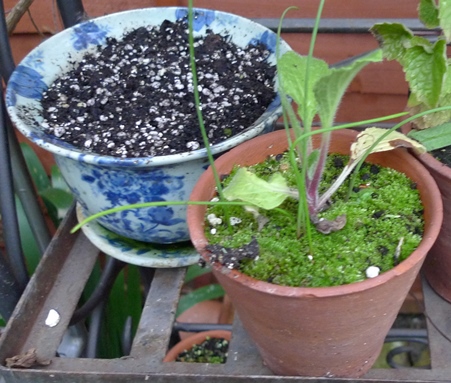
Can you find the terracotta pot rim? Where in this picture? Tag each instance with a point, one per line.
(435, 164)
(430, 234)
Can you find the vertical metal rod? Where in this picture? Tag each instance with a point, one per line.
(9, 290)
(6, 57)
(72, 12)
(22, 182)
(8, 206)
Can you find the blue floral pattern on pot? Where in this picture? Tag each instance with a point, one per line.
(89, 33)
(101, 182)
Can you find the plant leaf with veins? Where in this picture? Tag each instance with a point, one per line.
(248, 187)
(424, 63)
(428, 13)
(445, 18)
(292, 68)
(329, 89)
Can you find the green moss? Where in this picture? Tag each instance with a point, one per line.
(212, 350)
(383, 209)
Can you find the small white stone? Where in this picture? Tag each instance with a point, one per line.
(372, 271)
(310, 257)
(235, 221)
(53, 318)
(213, 231)
(213, 220)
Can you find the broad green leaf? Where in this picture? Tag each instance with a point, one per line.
(432, 119)
(369, 136)
(58, 182)
(37, 171)
(393, 39)
(248, 187)
(57, 202)
(423, 62)
(205, 293)
(292, 74)
(30, 247)
(428, 13)
(437, 118)
(445, 18)
(425, 71)
(329, 90)
(433, 138)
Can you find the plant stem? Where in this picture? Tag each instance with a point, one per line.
(198, 103)
(153, 204)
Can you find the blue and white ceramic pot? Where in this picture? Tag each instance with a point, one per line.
(102, 182)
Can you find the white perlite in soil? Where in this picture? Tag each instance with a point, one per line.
(134, 97)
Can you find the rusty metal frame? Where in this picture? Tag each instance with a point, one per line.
(59, 282)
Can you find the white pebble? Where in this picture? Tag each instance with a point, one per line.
(213, 220)
(372, 271)
(53, 318)
(310, 257)
(235, 221)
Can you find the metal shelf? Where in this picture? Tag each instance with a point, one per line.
(59, 282)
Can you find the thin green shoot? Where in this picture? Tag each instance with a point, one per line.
(198, 103)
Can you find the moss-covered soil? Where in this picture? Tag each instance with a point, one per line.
(384, 224)
(212, 350)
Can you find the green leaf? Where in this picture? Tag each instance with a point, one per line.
(205, 293)
(195, 271)
(292, 73)
(433, 138)
(393, 39)
(330, 89)
(58, 182)
(248, 187)
(34, 165)
(425, 71)
(29, 245)
(445, 18)
(428, 13)
(423, 62)
(57, 202)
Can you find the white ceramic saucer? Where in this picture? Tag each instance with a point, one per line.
(136, 252)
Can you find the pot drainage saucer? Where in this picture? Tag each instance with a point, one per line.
(137, 252)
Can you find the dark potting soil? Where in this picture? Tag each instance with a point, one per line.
(443, 155)
(134, 97)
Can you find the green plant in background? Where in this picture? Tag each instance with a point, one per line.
(208, 292)
(427, 69)
(54, 193)
(124, 304)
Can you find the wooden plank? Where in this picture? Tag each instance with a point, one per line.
(57, 284)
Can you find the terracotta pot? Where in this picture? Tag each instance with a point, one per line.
(188, 343)
(437, 266)
(329, 331)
